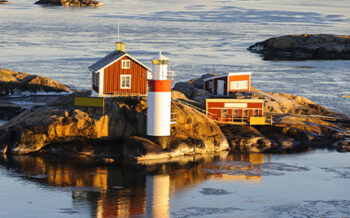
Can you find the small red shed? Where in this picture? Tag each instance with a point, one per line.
(230, 82)
(119, 74)
(234, 110)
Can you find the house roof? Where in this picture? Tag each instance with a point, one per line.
(111, 58)
(228, 74)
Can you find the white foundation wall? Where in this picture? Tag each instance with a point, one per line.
(94, 93)
(158, 113)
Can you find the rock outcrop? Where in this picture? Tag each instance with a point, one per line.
(61, 128)
(298, 123)
(74, 3)
(13, 82)
(193, 89)
(304, 46)
(123, 126)
(33, 129)
(192, 133)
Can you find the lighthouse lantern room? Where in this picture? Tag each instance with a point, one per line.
(159, 98)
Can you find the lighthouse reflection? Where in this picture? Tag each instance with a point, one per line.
(115, 191)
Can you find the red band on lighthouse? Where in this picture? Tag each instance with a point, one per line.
(159, 85)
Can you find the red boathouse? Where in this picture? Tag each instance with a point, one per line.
(231, 82)
(119, 74)
(236, 111)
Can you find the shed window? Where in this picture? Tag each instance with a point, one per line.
(95, 78)
(256, 112)
(239, 85)
(210, 84)
(224, 113)
(125, 64)
(125, 81)
(235, 113)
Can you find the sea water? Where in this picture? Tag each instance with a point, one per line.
(198, 37)
(311, 184)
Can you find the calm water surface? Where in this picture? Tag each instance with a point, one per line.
(313, 184)
(199, 37)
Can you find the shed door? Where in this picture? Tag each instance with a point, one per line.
(220, 87)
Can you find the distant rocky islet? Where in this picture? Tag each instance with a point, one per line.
(304, 47)
(71, 3)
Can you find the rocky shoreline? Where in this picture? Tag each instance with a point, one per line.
(304, 47)
(12, 82)
(119, 134)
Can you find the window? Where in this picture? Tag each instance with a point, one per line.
(210, 84)
(224, 113)
(93, 78)
(125, 64)
(96, 78)
(256, 112)
(235, 113)
(125, 81)
(239, 85)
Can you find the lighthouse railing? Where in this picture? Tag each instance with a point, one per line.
(171, 75)
(173, 117)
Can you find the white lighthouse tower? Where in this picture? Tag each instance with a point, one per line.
(159, 98)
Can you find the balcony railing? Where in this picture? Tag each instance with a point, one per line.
(173, 118)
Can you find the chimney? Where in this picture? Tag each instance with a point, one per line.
(120, 46)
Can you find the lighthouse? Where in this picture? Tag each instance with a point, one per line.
(159, 98)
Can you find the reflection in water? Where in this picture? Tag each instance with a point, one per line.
(244, 163)
(157, 191)
(110, 190)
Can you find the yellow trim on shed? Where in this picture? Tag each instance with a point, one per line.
(257, 121)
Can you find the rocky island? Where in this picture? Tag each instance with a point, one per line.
(17, 84)
(12, 82)
(304, 47)
(119, 132)
(73, 3)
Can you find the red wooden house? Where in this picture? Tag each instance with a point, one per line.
(119, 74)
(238, 111)
(231, 82)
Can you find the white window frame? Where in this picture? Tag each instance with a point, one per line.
(243, 84)
(122, 79)
(125, 64)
